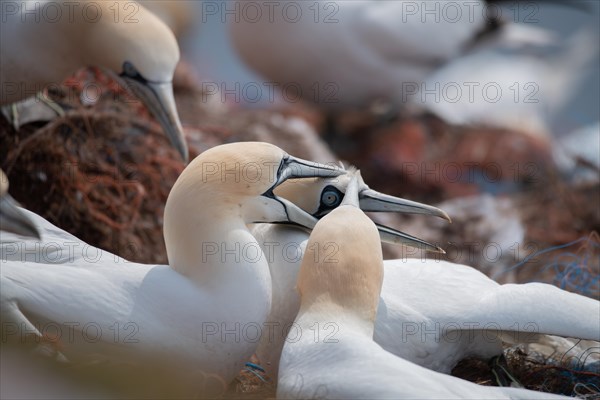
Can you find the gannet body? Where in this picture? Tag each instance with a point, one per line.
(11, 218)
(436, 313)
(433, 313)
(339, 300)
(284, 247)
(45, 41)
(515, 84)
(193, 314)
(351, 53)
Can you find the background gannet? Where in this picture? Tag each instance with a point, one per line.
(190, 317)
(433, 313)
(11, 218)
(526, 87)
(339, 300)
(352, 53)
(45, 41)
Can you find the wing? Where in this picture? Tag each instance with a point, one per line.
(539, 308)
(406, 30)
(457, 294)
(56, 246)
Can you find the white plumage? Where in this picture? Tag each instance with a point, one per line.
(177, 315)
(335, 355)
(352, 53)
(433, 313)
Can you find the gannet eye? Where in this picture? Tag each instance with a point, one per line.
(129, 69)
(331, 198)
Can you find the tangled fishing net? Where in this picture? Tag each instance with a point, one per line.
(101, 171)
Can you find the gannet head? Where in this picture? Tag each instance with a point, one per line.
(233, 183)
(141, 52)
(11, 218)
(343, 262)
(320, 196)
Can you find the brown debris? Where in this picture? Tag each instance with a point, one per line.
(531, 371)
(251, 384)
(430, 160)
(79, 171)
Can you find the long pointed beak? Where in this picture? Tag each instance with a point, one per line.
(351, 196)
(296, 215)
(159, 99)
(281, 210)
(293, 167)
(371, 200)
(273, 209)
(14, 220)
(393, 236)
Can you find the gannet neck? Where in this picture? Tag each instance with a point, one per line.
(326, 311)
(203, 218)
(342, 266)
(200, 245)
(221, 191)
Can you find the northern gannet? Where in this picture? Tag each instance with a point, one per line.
(44, 41)
(330, 353)
(348, 54)
(433, 313)
(11, 218)
(196, 315)
(285, 245)
(509, 83)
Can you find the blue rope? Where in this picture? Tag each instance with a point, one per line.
(568, 269)
(255, 366)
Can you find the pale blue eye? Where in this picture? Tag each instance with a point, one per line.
(330, 198)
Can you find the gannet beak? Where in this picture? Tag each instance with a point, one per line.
(159, 99)
(292, 167)
(351, 197)
(14, 220)
(371, 200)
(272, 209)
(276, 209)
(286, 212)
(393, 236)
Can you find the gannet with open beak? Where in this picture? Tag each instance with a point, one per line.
(11, 218)
(44, 41)
(330, 352)
(284, 246)
(433, 313)
(200, 313)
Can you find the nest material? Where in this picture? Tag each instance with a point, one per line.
(531, 371)
(102, 172)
